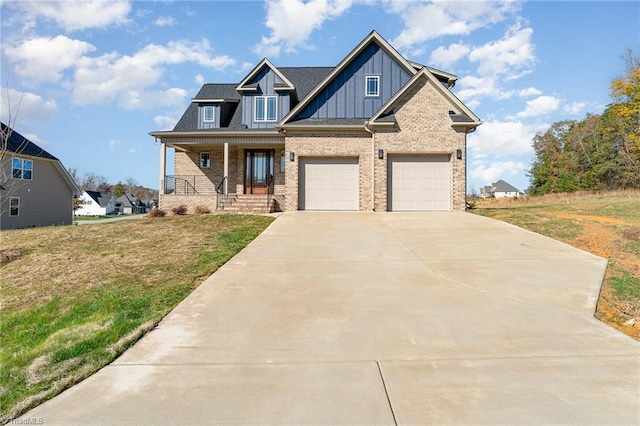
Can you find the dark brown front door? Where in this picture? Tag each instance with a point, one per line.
(258, 172)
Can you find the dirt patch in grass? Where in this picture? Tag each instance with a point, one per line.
(9, 254)
(605, 224)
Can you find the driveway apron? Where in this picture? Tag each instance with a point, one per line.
(377, 318)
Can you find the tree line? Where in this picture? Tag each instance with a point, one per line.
(601, 152)
(93, 182)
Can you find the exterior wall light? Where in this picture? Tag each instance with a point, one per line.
(380, 154)
(292, 156)
(459, 154)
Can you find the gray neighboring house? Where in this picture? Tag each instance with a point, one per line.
(375, 132)
(35, 188)
(130, 204)
(500, 189)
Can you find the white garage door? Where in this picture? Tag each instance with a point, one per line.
(328, 184)
(420, 183)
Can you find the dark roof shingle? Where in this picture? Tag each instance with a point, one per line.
(18, 144)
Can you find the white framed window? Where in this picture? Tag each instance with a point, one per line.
(205, 160)
(208, 114)
(14, 206)
(21, 168)
(372, 85)
(266, 108)
(282, 162)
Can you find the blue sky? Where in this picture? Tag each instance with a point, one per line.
(88, 80)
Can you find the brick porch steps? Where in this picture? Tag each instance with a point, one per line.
(246, 203)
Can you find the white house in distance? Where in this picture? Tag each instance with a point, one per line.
(94, 203)
(500, 189)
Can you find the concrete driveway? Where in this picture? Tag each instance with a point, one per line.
(377, 318)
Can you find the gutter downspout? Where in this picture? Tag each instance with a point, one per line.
(373, 165)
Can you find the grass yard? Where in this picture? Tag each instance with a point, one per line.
(75, 297)
(605, 224)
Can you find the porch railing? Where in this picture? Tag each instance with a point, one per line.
(220, 191)
(189, 185)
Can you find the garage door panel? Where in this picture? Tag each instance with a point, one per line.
(420, 183)
(328, 184)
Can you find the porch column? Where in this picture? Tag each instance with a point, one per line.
(163, 166)
(226, 168)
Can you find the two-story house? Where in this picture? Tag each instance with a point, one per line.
(35, 188)
(95, 203)
(376, 132)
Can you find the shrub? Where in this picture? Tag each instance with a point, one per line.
(202, 210)
(181, 210)
(156, 212)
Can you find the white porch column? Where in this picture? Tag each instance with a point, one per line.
(226, 168)
(163, 166)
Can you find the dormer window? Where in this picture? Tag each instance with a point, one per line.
(372, 85)
(208, 114)
(266, 108)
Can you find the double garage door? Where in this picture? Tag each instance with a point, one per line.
(415, 183)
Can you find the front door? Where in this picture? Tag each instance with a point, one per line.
(258, 170)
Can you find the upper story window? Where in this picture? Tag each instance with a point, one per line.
(266, 108)
(205, 160)
(208, 114)
(372, 85)
(21, 168)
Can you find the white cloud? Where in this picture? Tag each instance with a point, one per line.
(471, 88)
(147, 99)
(25, 106)
(496, 170)
(109, 77)
(529, 91)
(164, 21)
(36, 139)
(503, 138)
(540, 106)
(509, 55)
(427, 20)
(575, 108)
(199, 79)
(43, 58)
(113, 143)
(447, 56)
(165, 122)
(292, 21)
(78, 15)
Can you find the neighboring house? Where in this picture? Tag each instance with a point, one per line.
(35, 188)
(500, 189)
(129, 204)
(376, 132)
(93, 203)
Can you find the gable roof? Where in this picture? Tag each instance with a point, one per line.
(101, 199)
(221, 92)
(18, 144)
(373, 37)
(502, 186)
(286, 84)
(464, 118)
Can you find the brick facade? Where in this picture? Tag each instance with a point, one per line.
(423, 128)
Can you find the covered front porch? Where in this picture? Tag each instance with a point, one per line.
(224, 174)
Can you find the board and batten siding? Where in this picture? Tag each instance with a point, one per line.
(216, 116)
(45, 200)
(266, 80)
(344, 97)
